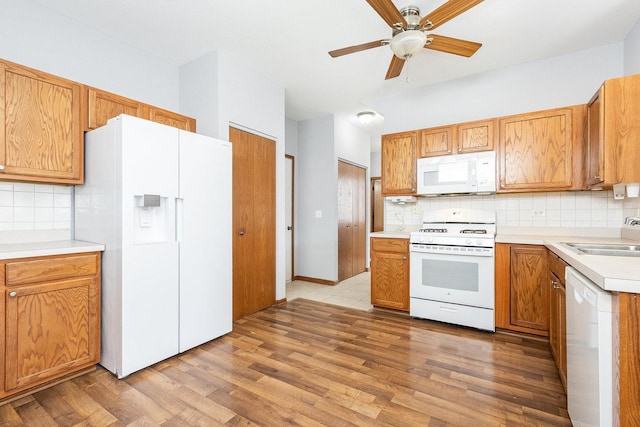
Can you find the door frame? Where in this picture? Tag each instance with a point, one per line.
(293, 199)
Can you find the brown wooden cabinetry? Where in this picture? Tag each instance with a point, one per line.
(390, 273)
(51, 320)
(41, 137)
(102, 106)
(457, 139)
(522, 291)
(399, 164)
(613, 133)
(557, 314)
(542, 151)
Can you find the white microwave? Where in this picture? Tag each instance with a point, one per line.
(457, 174)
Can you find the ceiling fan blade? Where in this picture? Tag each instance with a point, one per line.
(451, 45)
(357, 48)
(395, 68)
(447, 11)
(388, 11)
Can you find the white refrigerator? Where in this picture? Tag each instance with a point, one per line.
(159, 199)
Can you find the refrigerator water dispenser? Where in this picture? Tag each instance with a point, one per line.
(150, 225)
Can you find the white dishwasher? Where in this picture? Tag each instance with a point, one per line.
(589, 352)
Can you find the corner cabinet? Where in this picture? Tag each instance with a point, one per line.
(41, 136)
(542, 151)
(457, 139)
(399, 164)
(50, 320)
(390, 273)
(522, 291)
(613, 133)
(558, 315)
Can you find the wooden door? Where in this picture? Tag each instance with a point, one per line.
(41, 134)
(399, 164)
(288, 215)
(351, 220)
(529, 287)
(52, 328)
(254, 222)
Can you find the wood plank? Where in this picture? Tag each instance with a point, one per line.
(313, 364)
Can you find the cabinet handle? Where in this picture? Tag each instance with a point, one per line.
(13, 294)
(596, 177)
(501, 183)
(449, 151)
(404, 257)
(460, 150)
(1, 167)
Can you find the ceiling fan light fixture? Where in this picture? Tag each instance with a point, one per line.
(407, 43)
(366, 117)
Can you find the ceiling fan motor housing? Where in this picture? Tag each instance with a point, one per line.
(406, 42)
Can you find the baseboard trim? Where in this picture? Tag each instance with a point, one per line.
(315, 280)
(281, 301)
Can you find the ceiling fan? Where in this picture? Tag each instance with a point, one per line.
(409, 32)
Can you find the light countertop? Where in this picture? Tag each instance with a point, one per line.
(54, 247)
(611, 273)
(391, 234)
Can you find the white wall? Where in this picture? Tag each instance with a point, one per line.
(245, 100)
(35, 36)
(549, 83)
(316, 254)
(632, 51)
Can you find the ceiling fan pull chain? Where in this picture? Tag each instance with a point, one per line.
(406, 80)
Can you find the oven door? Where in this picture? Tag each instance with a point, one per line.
(457, 279)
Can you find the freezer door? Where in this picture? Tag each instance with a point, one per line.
(149, 250)
(204, 232)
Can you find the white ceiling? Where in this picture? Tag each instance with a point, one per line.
(288, 40)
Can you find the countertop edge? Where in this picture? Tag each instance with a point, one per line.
(48, 248)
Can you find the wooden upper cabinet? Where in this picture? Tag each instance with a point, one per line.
(103, 106)
(457, 139)
(41, 132)
(614, 132)
(172, 119)
(436, 141)
(542, 151)
(399, 163)
(476, 136)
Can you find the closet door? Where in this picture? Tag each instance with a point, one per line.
(352, 231)
(254, 225)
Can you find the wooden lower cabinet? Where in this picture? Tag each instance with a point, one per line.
(390, 273)
(557, 314)
(522, 291)
(51, 320)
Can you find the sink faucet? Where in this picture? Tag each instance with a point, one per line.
(632, 221)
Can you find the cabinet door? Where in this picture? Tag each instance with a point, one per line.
(475, 136)
(436, 141)
(390, 273)
(536, 151)
(399, 164)
(529, 287)
(595, 140)
(103, 106)
(170, 118)
(51, 329)
(41, 133)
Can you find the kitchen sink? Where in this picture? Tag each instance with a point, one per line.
(605, 249)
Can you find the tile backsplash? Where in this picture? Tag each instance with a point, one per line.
(35, 207)
(580, 209)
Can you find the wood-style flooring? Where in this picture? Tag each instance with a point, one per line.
(312, 364)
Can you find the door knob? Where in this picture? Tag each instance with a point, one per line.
(241, 232)
(289, 228)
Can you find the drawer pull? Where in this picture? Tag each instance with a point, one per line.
(13, 294)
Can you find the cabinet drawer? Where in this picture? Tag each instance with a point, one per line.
(50, 268)
(557, 266)
(389, 245)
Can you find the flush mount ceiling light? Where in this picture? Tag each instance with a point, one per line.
(366, 117)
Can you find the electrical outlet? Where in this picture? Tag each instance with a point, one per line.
(414, 209)
(539, 213)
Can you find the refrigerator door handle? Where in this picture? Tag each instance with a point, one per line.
(179, 218)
